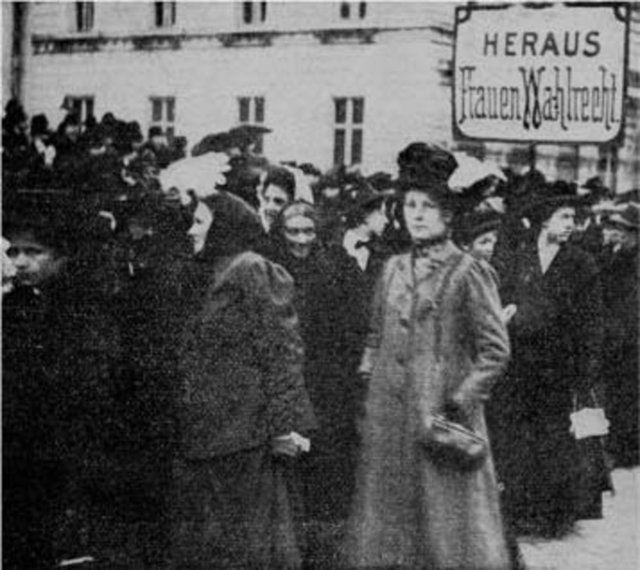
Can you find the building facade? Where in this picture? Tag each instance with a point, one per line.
(337, 82)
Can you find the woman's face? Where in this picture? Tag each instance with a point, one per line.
(300, 235)
(272, 200)
(423, 217)
(484, 245)
(561, 224)
(202, 221)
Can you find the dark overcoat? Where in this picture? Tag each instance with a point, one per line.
(556, 337)
(241, 361)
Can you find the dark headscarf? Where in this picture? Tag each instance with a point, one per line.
(235, 228)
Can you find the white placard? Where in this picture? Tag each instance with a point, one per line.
(548, 74)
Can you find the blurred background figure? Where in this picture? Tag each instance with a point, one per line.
(8, 268)
(620, 367)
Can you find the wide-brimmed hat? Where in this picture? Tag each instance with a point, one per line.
(425, 161)
(471, 225)
(628, 218)
(549, 197)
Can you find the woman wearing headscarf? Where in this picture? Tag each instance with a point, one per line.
(329, 299)
(436, 346)
(556, 337)
(244, 408)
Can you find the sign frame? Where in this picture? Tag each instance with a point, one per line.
(464, 13)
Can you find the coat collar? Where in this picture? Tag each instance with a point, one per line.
(438, 256)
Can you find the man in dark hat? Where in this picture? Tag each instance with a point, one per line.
(157, 148)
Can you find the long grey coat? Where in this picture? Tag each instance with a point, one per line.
(433, 337)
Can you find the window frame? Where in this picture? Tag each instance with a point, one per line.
(252, 111)
(353, 10)
(348, 130)
(85, 16)
(82, 105)
(165, 14)
(253, 12)
(166, 105)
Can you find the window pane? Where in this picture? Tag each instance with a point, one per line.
(259, 101)
(89, 107)
(345, 10)
(247, 12)
(89, 22)
(363, 9)
(338, 147)
(171, 107)
(356, 146)
(243, 107)
(341, 110)
(158, 11)
(259, 145)
(358, 111)
(263, 11)
(76, 107)
(156, 110)
(173, 12)
(79, 16)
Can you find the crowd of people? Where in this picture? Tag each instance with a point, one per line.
(213, 360)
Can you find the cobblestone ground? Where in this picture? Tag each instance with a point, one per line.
(612, 543)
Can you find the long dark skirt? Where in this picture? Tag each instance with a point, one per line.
(236, 511)
(537, 458)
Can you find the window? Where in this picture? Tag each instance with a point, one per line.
(348, 132)
(254, 12)
(165, 14)
(163, 114)
(251, 111)
(355, 9)
(84, 16)
(79, 105)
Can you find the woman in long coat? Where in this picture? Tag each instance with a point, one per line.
(244, 406)
(437, 342)
(556, 337)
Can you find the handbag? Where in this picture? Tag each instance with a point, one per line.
(588, 421)
(590, 426)
(453, 444)
(448, 440)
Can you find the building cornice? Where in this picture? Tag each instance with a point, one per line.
(177, 39)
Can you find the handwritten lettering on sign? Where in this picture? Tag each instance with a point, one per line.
(554, 74)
